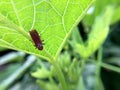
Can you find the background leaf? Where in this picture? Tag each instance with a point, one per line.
(97, 35)
(98, 8)
(53, 19)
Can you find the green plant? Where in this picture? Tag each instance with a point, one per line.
(55, 20)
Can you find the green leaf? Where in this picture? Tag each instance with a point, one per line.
(48, 85)
(98, 8)
(97, 35)
(41, 73)
(81, 84)
(116, 15)
(53, 19)
(99, 85)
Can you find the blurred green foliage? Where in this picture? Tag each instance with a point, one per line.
(77, 54)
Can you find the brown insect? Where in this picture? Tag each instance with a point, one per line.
(36, 39)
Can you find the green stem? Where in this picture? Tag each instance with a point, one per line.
(99, 62)
(83, 61)
(59, 73)
(98, 67)
(60, 76)
(107, 66)
(114, 68)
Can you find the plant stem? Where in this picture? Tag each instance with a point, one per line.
(83, 61)
(98, 67)
(107, 66)
(114, 68)
(99, 62)
(60, 75)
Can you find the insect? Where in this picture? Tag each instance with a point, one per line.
(36, 39)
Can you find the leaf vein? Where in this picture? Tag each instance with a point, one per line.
(34, 15)
(15, 11)
(63, 22)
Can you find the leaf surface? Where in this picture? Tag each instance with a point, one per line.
(53, 19)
